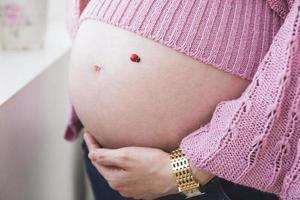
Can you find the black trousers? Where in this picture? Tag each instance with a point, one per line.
(220, 189)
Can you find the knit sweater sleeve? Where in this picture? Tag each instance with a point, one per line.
(74, 9)
(73, 13)
(254, 140)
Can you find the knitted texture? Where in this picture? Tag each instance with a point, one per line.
(253, 140)
(227, 34)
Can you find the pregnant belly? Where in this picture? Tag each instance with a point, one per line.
(153, 103)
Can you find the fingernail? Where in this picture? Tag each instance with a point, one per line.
(92, 155)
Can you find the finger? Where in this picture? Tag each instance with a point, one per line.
(109, 157)
(100, 168)
(110, 173)
(91, 142)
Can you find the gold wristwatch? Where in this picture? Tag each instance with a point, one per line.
(182, 171)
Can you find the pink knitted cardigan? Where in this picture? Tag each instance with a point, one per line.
(253, 140)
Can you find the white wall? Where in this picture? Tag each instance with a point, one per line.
(56, 10)
(36, 163)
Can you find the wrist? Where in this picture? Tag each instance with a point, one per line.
(187, 185)
(171, 186)
(189, 179)
(200, 175)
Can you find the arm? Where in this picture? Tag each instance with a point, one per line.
(255, 140)
(73, 12)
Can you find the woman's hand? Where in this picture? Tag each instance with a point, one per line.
(136, 172)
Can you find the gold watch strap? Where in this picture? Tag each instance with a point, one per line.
(183, 173)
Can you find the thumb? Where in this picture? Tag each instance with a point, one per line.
(90, 141)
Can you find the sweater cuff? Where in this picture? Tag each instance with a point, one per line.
(73, 127)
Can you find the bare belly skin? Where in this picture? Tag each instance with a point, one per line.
(154, 103)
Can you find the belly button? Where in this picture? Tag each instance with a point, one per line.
(97, 68)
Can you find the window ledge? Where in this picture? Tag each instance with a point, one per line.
(17, 69)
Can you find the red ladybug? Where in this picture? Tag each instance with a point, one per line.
(135, 58)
